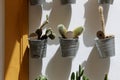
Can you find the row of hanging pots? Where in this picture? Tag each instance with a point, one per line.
(68, 47)
(68, 43)
(39, 2)
(69, 40)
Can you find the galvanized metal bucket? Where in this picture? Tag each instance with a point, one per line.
(36, 2)
(106, 47)
(38, 48)
(68, 1)
(105, 1)
(69, 47)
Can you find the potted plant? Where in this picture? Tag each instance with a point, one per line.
(36, 2)
(68, 1)
(79, 74)
(104, 43)
(105, 1)
(38, 41)
(42, 77)
(69, 40)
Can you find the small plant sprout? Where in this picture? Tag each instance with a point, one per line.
(39, 32)
(41, 78)
(69, 34)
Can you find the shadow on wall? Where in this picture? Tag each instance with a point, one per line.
(59, 68)
(60, 14)
(35, 15)
(96, 67)
(24, 65)
(35, 67)
(92, 23)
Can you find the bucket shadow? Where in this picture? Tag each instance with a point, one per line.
(96, 67)
(92, 22)
(58, 68)
(35, 68)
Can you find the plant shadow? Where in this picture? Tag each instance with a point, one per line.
(35, 67)
(96, 67)
(60, 14)
(35, 15)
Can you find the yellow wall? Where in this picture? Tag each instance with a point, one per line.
(16, 31)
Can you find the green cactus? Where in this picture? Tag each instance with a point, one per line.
(106, 77)
(77, 31)
(62, 30)
(73, 76)
(41, 78)
(81, 71)
(79, 74)
(69, 34)
(84, 78)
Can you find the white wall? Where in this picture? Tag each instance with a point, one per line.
(85, 13)
(1, 37)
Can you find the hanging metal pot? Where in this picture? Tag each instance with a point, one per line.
(106, 47)
(36, 2)
(105, 1)
(69, 47)
(38, 48)
(68, 1)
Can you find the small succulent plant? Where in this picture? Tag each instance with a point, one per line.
(42, 77)
(69, 34)
(106, 77)
(101, 34)
(79, 75)
(39, 32)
